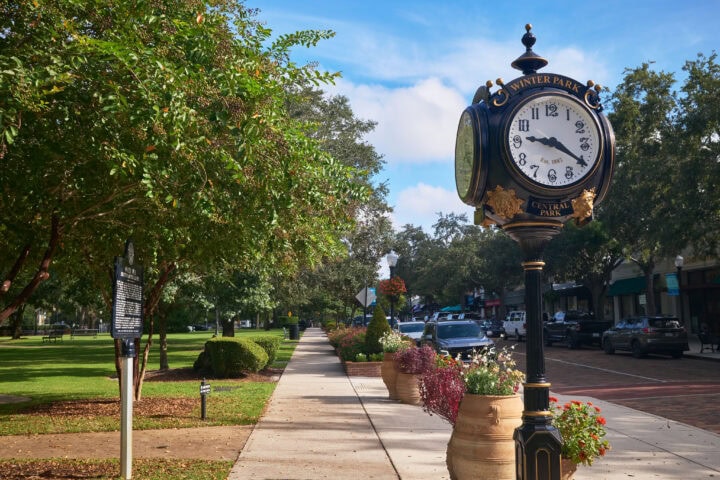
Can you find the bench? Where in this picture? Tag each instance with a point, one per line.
(53, 337)
(707, 340)
(82, 332)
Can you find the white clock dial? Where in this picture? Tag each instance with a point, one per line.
(553, 141)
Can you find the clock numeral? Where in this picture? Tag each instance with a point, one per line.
(517, 141)
(535, 169)
(523, 125)
(522, 159)
(584, 145)
(535, 113)
(552, 175)
(569, 174)
(551, 110)
(579, 126)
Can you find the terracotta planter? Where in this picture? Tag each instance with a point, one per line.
(567, 469)
(481, 446)
(389, 374)
(362, 369)
(407, 386)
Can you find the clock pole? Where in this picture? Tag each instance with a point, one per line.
(537, 442)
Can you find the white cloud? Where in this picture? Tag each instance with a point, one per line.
(419, 206)
(416, 124)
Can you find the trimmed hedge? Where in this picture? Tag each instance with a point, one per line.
(269, 343)
(230, 357)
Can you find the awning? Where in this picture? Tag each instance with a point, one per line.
(454, 308)
(627, 286)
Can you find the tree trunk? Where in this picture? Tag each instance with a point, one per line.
(16, 322)
(162, 335)
(41, 274)
(228, 328)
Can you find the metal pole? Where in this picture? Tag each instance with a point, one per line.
(680, 298)
(537, 442)
(126, 407)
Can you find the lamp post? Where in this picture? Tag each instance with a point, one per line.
(679, 261)
(392, 259)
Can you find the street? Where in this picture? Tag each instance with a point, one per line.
(686, 390)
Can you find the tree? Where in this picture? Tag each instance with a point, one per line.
(695, 169)
(643, 107)
(159, 122)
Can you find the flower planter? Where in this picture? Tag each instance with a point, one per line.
(363, 369)
(389, 374)
(407, 386)
(567, 469)
(481, 446)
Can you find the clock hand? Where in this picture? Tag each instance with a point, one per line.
(555, 143)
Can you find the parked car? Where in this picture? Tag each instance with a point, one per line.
(575, 328)
(493, 327)
(515, 325)
(456, 337)
(413, 330)
(647, 334)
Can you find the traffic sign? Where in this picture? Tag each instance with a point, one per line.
(366, 296)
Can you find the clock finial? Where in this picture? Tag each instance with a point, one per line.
(529, 62)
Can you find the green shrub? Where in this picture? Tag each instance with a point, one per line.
(377, 327)
(230, 357)
(269, 343)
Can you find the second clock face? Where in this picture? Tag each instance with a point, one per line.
(553, 141)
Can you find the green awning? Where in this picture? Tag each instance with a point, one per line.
(627, 286)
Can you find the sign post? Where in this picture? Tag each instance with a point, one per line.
(127, 325)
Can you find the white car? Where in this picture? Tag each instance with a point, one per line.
(514, 325)
(413, 330)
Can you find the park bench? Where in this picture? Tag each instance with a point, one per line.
(53, 336)
(84, 332)
(707, 340)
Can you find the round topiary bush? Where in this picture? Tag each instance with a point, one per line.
(230, 357)
(269, 343)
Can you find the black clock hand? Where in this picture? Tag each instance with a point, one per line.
(555, 143)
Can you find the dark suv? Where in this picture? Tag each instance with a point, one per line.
(456, 337)
(648, 334)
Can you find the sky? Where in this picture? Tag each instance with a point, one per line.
(413, 67)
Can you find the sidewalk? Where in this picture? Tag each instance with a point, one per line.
(322, 424)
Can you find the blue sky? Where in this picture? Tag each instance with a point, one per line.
(413, 66)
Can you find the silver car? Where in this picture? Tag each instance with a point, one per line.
(411, 329)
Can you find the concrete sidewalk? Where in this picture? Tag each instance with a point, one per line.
(322, 424)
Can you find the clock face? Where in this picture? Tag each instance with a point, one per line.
(464, 155)
(553, 141)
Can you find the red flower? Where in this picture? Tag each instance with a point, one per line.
(392, 287)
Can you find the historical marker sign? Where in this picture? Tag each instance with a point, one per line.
(127, 321)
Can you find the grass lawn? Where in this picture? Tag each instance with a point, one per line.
(83, 369)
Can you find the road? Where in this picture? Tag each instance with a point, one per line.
(686, 390)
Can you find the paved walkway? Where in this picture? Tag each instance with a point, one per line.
(322, 424)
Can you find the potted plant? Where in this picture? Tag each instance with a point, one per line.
(583, 430)
(391, 342)
(412, 362)
(482, 403)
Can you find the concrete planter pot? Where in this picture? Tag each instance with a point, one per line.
(481, 446)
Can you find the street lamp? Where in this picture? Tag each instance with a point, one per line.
(679, 261)
(392, 259)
